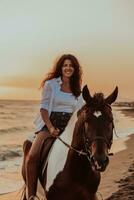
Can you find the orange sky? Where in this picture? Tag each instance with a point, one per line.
(33, 34)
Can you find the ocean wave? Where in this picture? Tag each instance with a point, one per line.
(5, 113)
(7, 117)
(2, 106)
(10, 151)
(13, 129)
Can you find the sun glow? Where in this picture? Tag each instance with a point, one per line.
(99, 34)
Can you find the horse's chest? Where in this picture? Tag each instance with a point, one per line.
(70, 193)
(80, 193)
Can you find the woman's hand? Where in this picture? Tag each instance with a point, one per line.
(54, 131)
(45, 116)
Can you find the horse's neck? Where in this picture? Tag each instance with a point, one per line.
(78, 168)
(77, 165)
(77, 140)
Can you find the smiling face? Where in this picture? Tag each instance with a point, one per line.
(67, 69)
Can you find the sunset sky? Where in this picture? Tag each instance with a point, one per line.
(33, 33)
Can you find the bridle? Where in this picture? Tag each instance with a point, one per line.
(108, 142)
(104, 139)
(87, 144)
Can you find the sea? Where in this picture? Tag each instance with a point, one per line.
(16, 125)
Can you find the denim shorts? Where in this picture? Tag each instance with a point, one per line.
(59, 120)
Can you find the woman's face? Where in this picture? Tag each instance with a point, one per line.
(67, 68)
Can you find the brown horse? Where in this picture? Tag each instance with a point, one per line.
(88, 154)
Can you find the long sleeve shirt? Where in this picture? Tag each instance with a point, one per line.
(53, 99)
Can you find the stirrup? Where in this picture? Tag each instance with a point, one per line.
(33, 198)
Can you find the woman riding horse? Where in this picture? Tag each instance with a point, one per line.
(60, 98)
(88, 152)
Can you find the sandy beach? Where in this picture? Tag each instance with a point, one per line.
(117, 181)
(116, 177)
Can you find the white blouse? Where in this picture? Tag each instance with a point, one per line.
(53, 99)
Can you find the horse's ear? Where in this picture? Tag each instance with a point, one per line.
(86, 94)
(112, 97)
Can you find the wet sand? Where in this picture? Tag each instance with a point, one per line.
(118, 180)
(116, 177)
(126, 187)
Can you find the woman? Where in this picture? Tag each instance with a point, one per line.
(60, 98)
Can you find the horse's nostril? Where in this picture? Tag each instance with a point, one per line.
(100, 162)
(104, 162)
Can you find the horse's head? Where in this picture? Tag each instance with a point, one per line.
(98, 126)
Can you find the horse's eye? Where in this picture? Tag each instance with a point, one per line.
(108, 120)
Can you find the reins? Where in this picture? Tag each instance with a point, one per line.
(87, 150)
(81, 152)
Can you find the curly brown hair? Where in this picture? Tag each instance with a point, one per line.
(76, 78)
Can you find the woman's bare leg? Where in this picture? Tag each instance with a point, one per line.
(33, 161)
